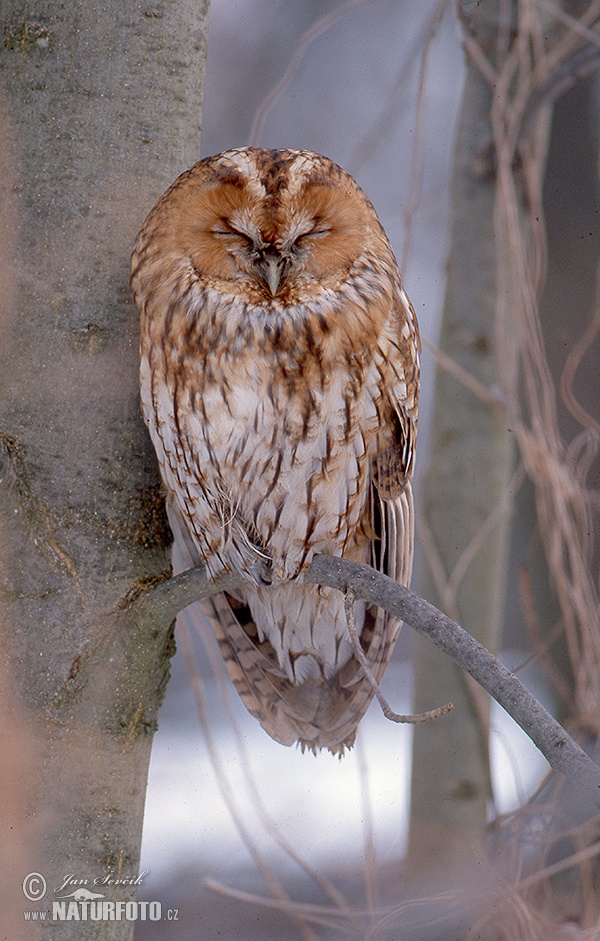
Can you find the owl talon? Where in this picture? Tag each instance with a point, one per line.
(262, 573)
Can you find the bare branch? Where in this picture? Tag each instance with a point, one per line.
(163, 601)
(561, 751)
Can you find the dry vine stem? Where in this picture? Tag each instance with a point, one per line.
(349, 599)
(534, 70)
(160, 604)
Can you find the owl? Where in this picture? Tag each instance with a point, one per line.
(279, 382)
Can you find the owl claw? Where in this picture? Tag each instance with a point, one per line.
(262, 572)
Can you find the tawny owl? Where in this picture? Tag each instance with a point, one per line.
(279, 382)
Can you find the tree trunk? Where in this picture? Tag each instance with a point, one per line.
(103, 104)
(470, 467)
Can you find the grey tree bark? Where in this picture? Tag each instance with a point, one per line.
(470, 467)
(102, 110)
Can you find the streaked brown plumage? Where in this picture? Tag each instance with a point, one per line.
(279, 379)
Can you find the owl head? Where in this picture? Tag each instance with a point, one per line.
(273, 225)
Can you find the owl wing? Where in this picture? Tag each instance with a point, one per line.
(393, 501)
(394, 461)
(392, 510)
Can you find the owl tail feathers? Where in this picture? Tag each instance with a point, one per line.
(315, 713)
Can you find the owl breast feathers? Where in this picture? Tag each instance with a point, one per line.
(279, 382)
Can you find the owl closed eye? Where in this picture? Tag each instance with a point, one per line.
(279, 381)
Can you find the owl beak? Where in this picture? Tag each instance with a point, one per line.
(271, 269)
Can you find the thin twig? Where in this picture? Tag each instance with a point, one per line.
(270, 826)
(573, 361)
(228, 795)
(473, 548)
(580, 64)
(540, 646)
(349, 597)
(418, 151)
(576, 26)
(492, 397)
(304, 43)
(370, 870)
(318, 914)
